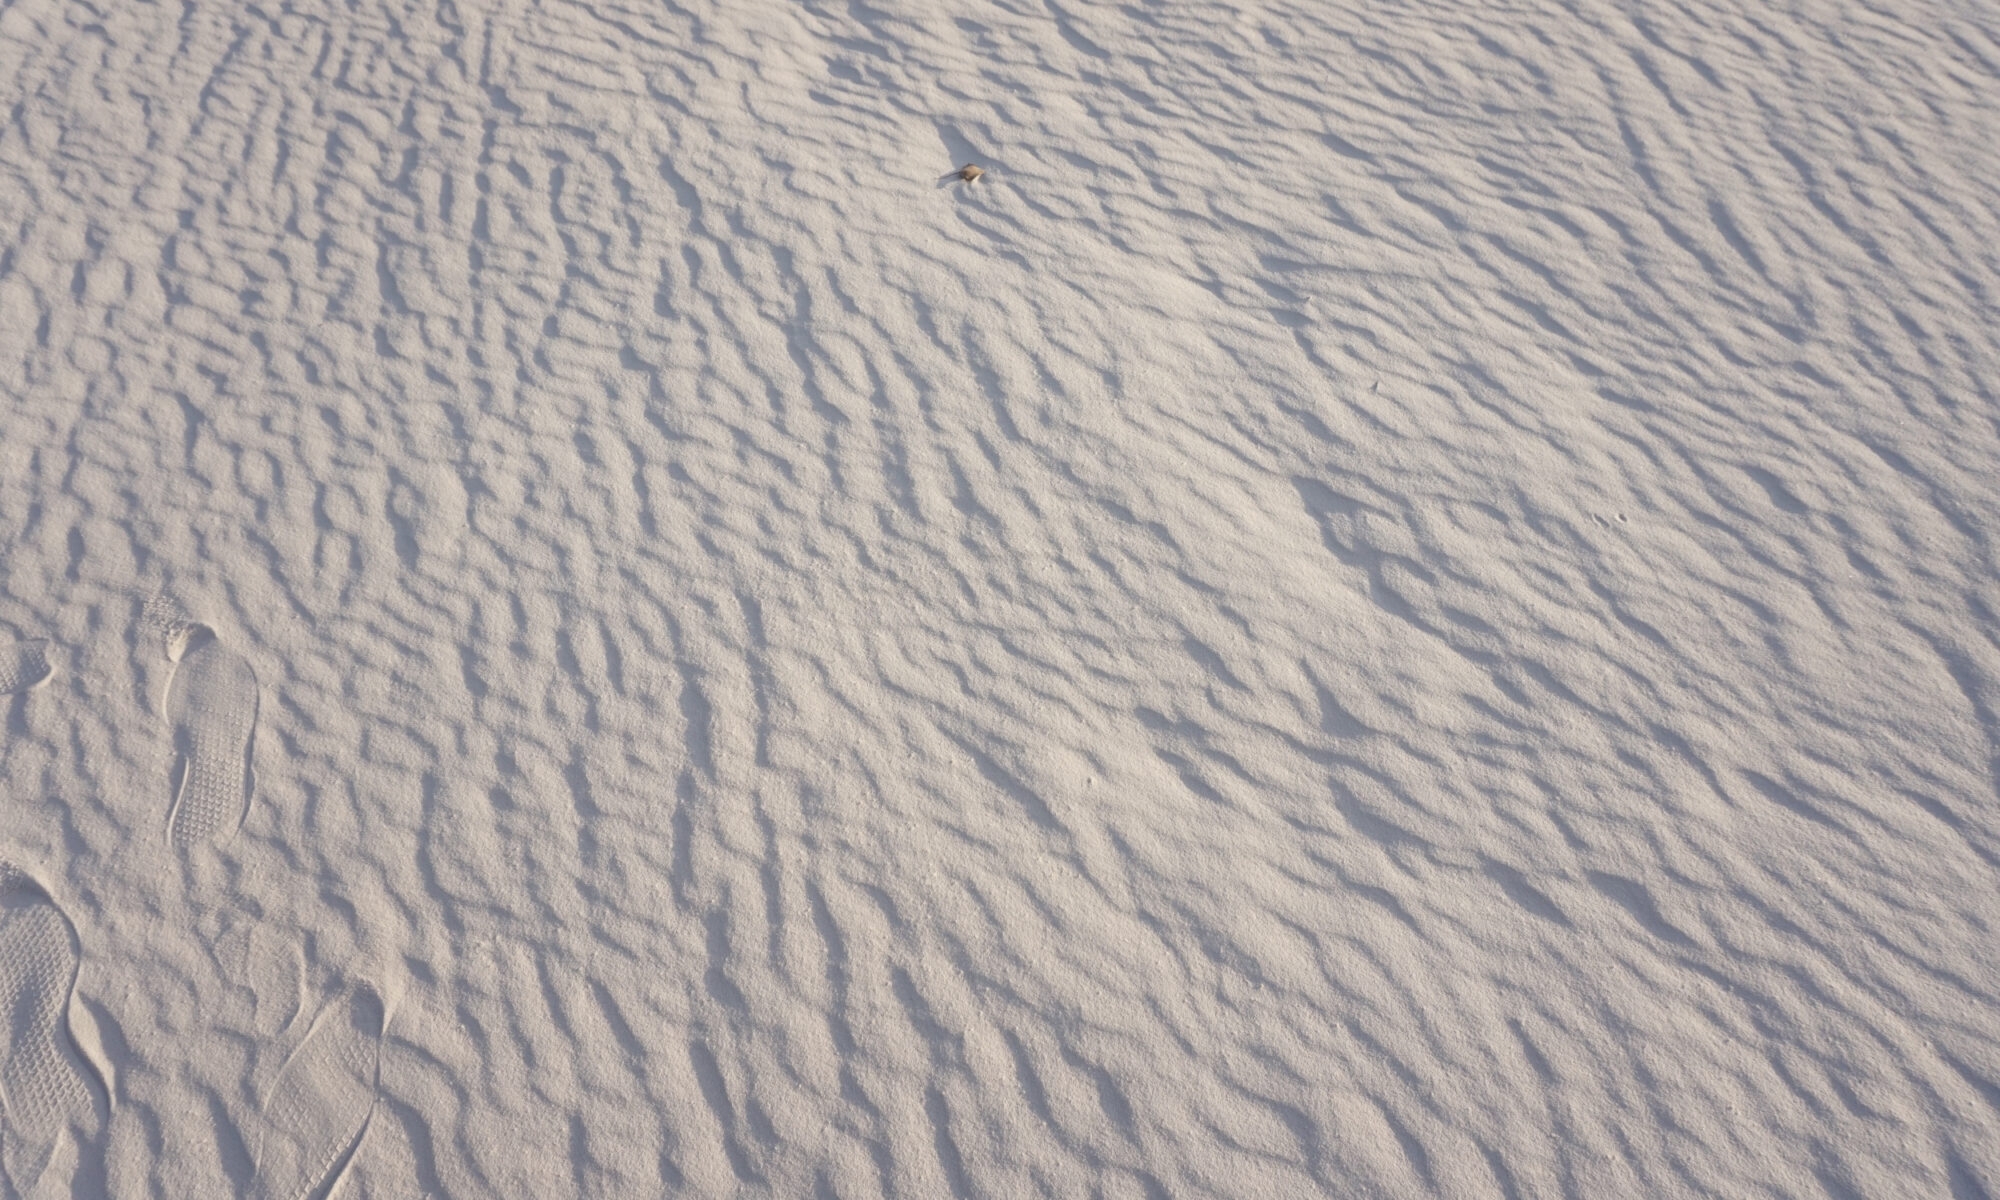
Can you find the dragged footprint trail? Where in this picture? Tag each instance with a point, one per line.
(48, 1090)
(212, 705)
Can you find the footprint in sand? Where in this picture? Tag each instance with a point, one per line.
(320, 1105)
(22, 666)
(212, 705)
(49, 1093)
(265, 974)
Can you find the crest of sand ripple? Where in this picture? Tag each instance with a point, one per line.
(1399, 601)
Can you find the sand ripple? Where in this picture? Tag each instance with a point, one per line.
(1398, 601)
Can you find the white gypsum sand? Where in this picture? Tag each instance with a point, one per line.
(1399, 600)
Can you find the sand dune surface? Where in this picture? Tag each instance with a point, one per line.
(1396, 600)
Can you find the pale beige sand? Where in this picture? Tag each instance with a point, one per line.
(1400, 600)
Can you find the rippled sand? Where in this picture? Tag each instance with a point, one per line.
(1398, 601)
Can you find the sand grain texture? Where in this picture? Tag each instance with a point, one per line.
(1400, 601)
